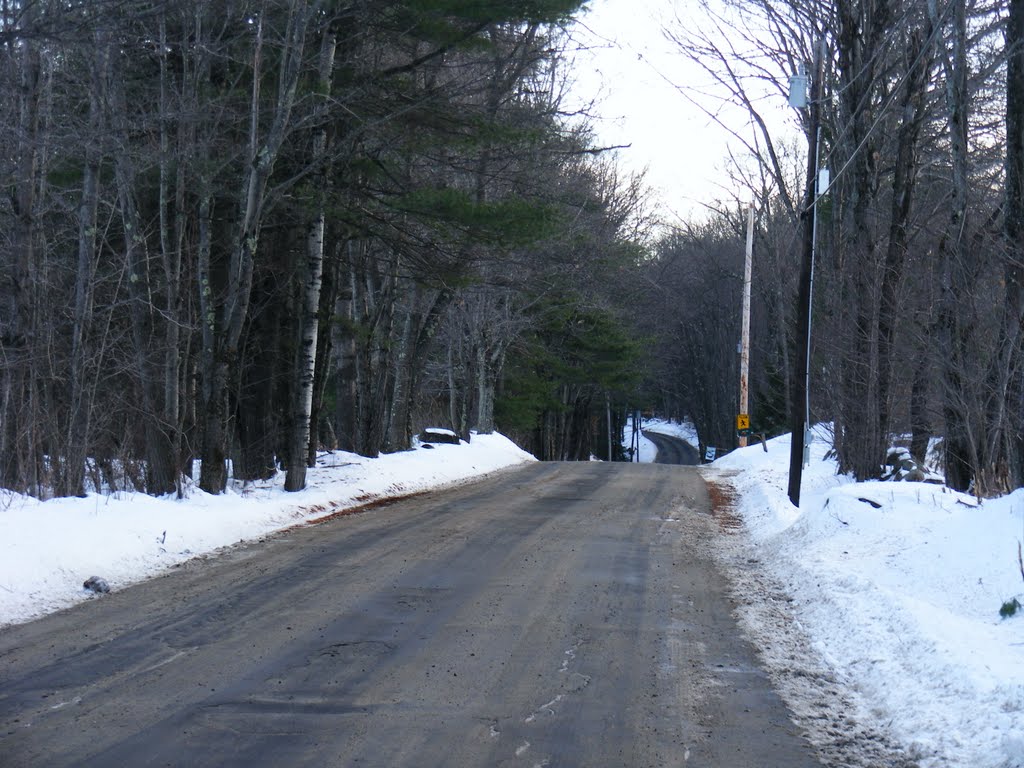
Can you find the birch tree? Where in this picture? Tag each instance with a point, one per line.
(305, 368)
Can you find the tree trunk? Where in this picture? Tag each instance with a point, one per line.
(1013, 367)
(961, 458)
(214, 470)
(484, 394)
(402, 375)
(345, 391)
(20, 448)
(920, 425)
(262, 157)
(375, 297)
(489, 364)
(860, 43)
(159, 448)
(305, 370)
(172, 215)
(904, 178)
(78, 442)
(325, 340)
(309, 320)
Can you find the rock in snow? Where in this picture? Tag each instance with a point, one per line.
(97, 585)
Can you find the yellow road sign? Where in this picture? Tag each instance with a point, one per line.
(742, 422)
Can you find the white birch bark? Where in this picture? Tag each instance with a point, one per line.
(263, 154)
(295, 480)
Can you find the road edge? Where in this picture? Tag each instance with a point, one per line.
(836, 719)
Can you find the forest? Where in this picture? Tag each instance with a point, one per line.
(240, 232)
(237, 233)
(917, 111)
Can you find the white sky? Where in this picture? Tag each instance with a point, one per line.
(631, 70)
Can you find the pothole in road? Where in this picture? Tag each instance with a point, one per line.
(417, 598)
(576, 682)
(360, 649)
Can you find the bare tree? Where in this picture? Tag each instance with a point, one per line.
(223, 324)
(23, 60)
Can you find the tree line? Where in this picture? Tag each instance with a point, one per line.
(918, 295)
(237, 232)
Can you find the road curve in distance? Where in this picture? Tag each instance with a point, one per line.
(672, 450)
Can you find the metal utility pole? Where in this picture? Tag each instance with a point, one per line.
(745, 336)
(800, 390)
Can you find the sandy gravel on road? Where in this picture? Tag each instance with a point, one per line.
(828, 709)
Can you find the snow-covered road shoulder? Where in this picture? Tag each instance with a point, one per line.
(48, 549)
(897, 588)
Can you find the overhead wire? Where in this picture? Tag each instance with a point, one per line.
(884, 110)
(901, 82)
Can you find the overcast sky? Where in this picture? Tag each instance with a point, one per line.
(632, 70)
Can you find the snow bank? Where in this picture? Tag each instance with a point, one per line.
(48, 549)
(898, 587)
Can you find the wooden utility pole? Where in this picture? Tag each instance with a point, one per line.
(798, 406)
(745, 336)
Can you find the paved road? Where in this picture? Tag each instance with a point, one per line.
(556, 615)
(672, 450)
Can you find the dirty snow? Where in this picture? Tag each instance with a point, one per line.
(892, 592)
(48, 549)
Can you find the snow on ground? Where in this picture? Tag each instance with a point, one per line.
(48, 549)
(648, 451)
(896, 588)
(882, 615)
